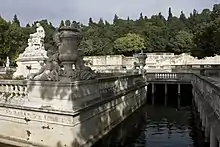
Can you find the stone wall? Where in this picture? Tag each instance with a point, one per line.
(155, 62)
(206, 95)
(67, 114)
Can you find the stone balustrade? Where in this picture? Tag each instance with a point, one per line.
(68, 114)
(117, 84)
(209, 91)
(79, 113)
(206, 94)
(185, 77)
(12, 92)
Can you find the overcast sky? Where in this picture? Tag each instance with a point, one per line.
(80, 10)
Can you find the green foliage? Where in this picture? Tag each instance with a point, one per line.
(198, 34)
(130, 43)
(182, 42)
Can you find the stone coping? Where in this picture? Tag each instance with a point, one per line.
(13, 82)
(100, 79)
(76, 112)
(209, 80)
(25, 82)
(23, 59)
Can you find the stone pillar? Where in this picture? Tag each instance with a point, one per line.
(178, 97)
(213, 140)
(165, 100)
(153, 94)
(203, 119)
(193, 95)
(202, 71)
(207, 130)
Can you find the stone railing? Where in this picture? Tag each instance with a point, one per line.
(208, 91)
(168, 76)
(79, 94)
(12, 91)
(116, 84)
(202, 85)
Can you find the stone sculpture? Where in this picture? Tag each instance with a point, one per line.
(35, 43)
(67, 39)
(7, 62)
(141, 61)
(30, 61)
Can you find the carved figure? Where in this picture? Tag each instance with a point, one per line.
(35, 43)
(49, 72)
(7, 62)
(40, 33)
(67, 40)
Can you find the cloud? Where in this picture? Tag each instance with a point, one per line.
(80, 10)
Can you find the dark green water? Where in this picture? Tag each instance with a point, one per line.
(155, 127)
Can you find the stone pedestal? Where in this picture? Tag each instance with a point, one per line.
(67, 114)
(62, 96)
(34, 56)
(28, 66)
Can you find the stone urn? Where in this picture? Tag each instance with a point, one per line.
(141, 60)
(69, 38)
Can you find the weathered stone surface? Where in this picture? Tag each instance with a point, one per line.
(67, 39)
(32, 59)
(48, 118)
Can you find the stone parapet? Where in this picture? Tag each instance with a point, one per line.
(69, 114)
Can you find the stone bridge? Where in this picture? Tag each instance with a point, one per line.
(206, 94)
(56, 114)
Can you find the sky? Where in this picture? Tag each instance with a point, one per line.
(80, 10)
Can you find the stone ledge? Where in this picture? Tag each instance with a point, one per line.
(71, 113)
(87, 119)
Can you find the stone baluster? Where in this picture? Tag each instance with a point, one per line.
(179, 104)
(12, 90)
(24, 90)
(213, 140)
(1, 90)
(6, 88)
(165, 100)
(153, 94)
(16, 90)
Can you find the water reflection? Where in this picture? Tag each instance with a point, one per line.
(156, 127)
(164, 128)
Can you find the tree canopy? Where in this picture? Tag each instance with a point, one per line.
(198, 34)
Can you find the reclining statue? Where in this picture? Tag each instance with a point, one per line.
(68, 54)
(49, 72)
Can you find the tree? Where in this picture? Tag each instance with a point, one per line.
(91, 23)
(199, 34)
(141, 17)
(115, 20)
(170, 15)
(67, 23)
(15, 20)
(61, 23)
(183, 16)
(131, 43)
(183, 42)
(101, 22)
(28, 25)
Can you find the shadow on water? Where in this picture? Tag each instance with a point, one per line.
(155, 127)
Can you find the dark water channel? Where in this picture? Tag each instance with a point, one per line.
(157, 126)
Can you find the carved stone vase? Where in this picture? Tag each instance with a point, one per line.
(141, 60)
(68, 48)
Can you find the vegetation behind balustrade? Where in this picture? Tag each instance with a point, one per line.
(198, 34)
